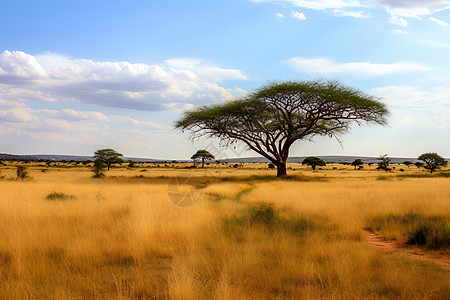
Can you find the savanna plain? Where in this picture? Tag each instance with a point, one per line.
(166, 232)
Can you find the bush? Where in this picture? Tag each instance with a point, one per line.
(21, 172)
(265, 216)
(59, 196)
(98, 168)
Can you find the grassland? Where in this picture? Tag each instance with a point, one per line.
(65, 235)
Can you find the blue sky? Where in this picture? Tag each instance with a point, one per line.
(76, 76)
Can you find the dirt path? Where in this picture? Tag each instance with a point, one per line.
(378, 241)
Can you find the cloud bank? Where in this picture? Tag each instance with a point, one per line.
(172, 85)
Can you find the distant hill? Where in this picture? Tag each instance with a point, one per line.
(58, 157)
(5, 156)
(328, 159)
(295, 159)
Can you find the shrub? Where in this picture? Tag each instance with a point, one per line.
(21, 172)
(59, 196)
(98, 168)
(265, 216)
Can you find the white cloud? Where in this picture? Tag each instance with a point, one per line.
(319, 4)
(398, 21)
(399, 31)
(171, 85)
(440, 22)
(354, 14)
(298, 15)
(429, 107)
(18, 65)
(326, 66)
(279, 16)
(414, 8)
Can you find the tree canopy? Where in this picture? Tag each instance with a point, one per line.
(357, 162)
(202, 155)
(278, 114)
(108, 156)
(313, 162)
(433, 161)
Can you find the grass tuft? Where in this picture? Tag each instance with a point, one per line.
(59, 196)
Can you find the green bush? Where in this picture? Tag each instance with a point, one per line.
(21, 172)
(59, 196)
(266, 217)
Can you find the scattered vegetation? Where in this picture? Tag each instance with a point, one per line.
(59, 196)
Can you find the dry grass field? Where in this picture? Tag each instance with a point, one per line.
(66, 235)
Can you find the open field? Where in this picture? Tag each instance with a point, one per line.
(65, 235)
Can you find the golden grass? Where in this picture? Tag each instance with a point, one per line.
(122, 237)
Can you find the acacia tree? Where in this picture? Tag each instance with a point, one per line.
(357, 162)
(433, 161)
(313, 162)
(108, 156)
(202, 155)
(275, 116)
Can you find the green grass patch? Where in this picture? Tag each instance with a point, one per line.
(264, 216)
(431, 232)
(55, 196)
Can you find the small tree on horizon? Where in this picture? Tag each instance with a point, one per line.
(357, 162)
(313, 162)
(384, 163)
(433, 161)
(202, 155)
(108, 157)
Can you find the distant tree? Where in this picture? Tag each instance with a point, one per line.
(98, 168)
(418, 164)
(108, 157)
(357, 162)
(202, 155)
(433, 161)
(271, 166)
(131, 164)
(313, 162)
(21, 172)
(407, 163)
(270, 120)
(384, 163)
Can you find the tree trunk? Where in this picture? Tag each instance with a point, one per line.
(203, 162)
(109, 165)
(281, 168)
